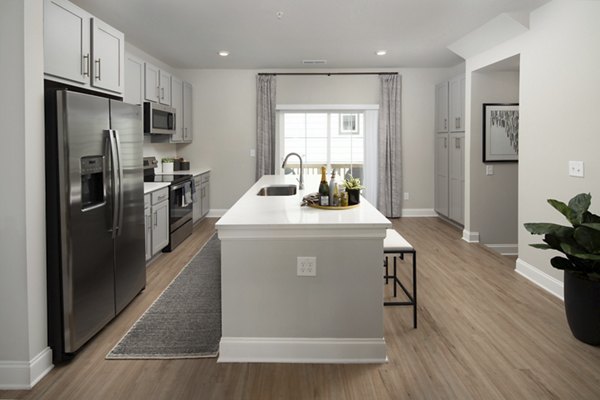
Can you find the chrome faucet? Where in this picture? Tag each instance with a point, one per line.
(301, 180)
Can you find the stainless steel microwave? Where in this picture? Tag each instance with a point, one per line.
(159, 119)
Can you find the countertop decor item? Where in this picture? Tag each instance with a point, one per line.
(580, 244)
(353, 187)
(167, 165)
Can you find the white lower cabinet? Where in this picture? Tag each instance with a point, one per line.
(156, 211)
(456, 169)
(202, 196)
(441, 173)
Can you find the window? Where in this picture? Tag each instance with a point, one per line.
(332, 138)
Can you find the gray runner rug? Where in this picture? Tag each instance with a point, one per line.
(185, 320)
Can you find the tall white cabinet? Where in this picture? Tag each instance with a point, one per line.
(449, 149)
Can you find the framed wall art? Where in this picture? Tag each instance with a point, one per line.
(500, 132)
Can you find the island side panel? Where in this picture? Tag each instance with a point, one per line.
(262, 296)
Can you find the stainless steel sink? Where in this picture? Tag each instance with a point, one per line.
(277, 190)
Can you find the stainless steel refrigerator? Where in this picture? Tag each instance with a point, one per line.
(95, 214)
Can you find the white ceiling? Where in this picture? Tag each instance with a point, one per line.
(346, 33)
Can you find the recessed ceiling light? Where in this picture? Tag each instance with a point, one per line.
(223, 53)
(381, 52)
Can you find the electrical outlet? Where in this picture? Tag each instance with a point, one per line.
(576, 168)
(405, 195)
(252, 152)
(307, 266)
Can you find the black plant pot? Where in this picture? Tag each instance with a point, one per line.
(353, 196)
(582, 304)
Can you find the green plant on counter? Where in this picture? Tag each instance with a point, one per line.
(167, 160)
(580, 243)
(351, 183)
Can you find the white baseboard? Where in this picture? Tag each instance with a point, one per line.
(504, 249)
(216, 212)
(540, 278)
(23, 375)
(419, 212)
(470, 237)
(302, 350)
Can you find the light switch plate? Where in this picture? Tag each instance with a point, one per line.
(307, 266)
(489, 170)
(406, 196)
(576, 168)
(252, 152)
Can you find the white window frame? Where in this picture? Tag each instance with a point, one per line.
(370, 111)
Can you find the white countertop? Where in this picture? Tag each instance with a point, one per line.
(193, 171)
(281, 212)
(154, 186)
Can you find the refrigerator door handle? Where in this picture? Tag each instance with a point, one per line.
(113, 184)
(120, 186)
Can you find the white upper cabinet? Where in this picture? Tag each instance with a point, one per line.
(134, 80)
(177, 104)
(457, 104)
(157, 87)
(164, 83)
(66, 41)
(151, 86)
(441, 107)
(81, 50)
(187, 112)
(108, 53)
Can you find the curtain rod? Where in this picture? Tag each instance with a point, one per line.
(327, 73)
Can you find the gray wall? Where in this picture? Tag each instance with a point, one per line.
(494, 202)
(22, 219)
(225, 123)
(560, 97)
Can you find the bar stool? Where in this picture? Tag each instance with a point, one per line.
(396, 246)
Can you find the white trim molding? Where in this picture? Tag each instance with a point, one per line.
(216, 212)
(470, 237)
(506, 249)
(419, 212)
(303, 350)
(325, 107)
(23, 375)
(540, 278)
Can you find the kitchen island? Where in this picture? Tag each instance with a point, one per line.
(269, 312)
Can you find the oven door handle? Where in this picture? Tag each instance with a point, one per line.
(180, 185)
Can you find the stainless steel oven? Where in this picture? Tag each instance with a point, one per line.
(181, 201)
(181, 208)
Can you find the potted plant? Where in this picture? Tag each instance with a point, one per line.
(167, 165)
(580, 244)
(353, 188)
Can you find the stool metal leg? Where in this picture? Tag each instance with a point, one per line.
(414, 257)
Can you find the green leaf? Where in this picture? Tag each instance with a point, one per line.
(537, 228)
(541, 246)
(588, 217)
(562, 208)
(576, 251)
(592, 225)
(579, 205)
(561, 263)
(588, 238)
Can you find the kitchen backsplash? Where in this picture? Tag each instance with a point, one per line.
(158, 150)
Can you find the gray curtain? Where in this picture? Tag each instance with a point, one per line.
(265, 125)
(389, 147)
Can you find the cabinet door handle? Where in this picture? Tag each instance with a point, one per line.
(99, 76)
(158, 92)
(162, 90)
(445, 123)
(85, 65)
(445, 143)
(458, 122)
(155, 218)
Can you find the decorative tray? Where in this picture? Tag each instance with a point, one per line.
(332, 207)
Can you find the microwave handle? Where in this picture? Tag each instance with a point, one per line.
(171, 121)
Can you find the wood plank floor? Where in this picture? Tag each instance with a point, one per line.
(484, 333)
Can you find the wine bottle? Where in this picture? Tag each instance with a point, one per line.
(323, 188)
(332, 185)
